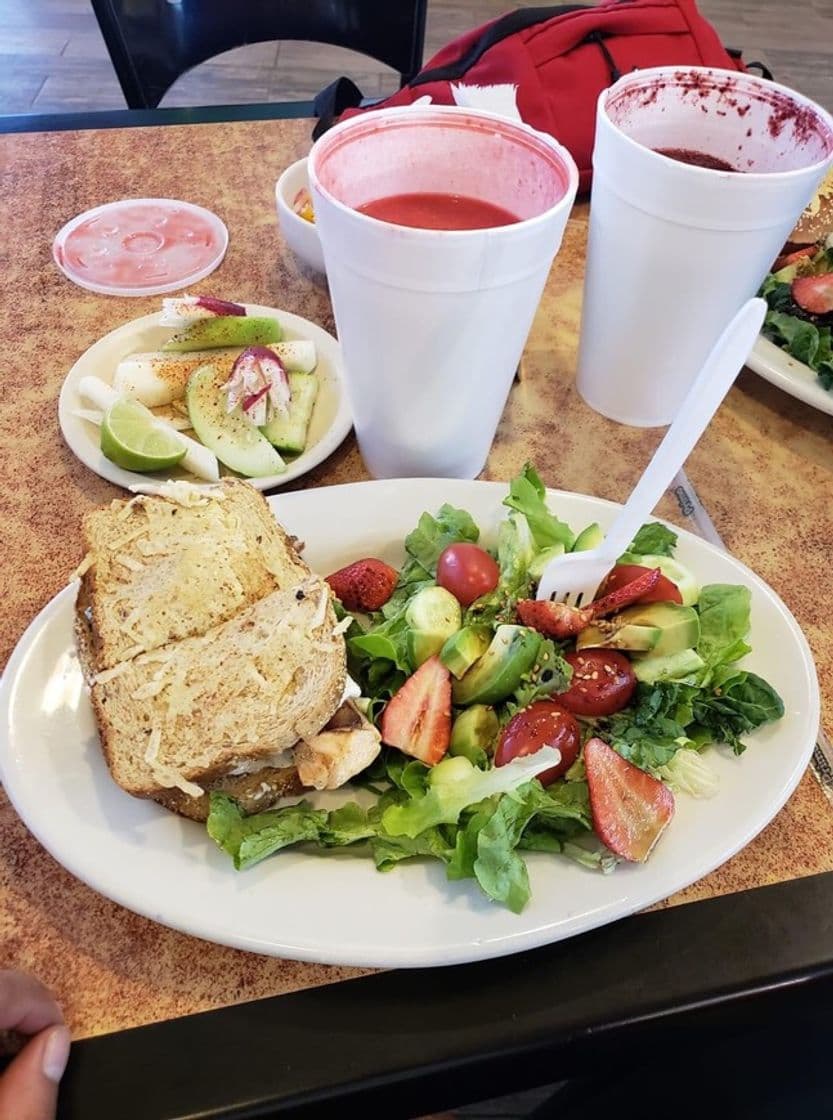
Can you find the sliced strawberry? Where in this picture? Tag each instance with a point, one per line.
(814, 293)
(621, 575)
(630, 808)
(418, 719)
(555, 620)
(365, 585)
(629, 593)
(795, 255)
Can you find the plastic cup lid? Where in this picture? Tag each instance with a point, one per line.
(140, 246)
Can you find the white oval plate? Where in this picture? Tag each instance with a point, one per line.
(794, 377)
(331, 420)
(338, 908)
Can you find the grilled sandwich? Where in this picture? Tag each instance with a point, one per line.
(212, 653)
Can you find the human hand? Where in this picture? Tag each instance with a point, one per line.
(29, 1086)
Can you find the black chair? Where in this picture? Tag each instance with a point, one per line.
(153, 42)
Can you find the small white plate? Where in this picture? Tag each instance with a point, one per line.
(331, 420)
(789, 374)
(339, 909)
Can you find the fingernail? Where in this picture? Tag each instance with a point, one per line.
(56, 1053)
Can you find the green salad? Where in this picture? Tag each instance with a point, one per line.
(510, 725)
(800, 316)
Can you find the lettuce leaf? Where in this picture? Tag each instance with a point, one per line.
(652, 539)
(454, 784)
(724, 610)
(560, 812)
(672, 715)
(515, 552)
(529, 817)
(741, 702)
(804, 340)
(527, 495)
(433, 534)
(248, 840)
(479, 840)
(388, 851)
(385, 642)
(687, 772)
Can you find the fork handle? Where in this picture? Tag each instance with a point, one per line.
(701, 402)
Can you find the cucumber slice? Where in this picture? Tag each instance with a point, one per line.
(233, 439)
(298, 355)
(289, 433)
(667, 666)
(678, 573)
(226, 330)
(433, 615)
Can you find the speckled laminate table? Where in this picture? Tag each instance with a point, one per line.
(764, 470)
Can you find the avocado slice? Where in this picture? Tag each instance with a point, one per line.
(667, 666)
(462, 649)
(590, 537)
(500, 670)
(232, 437)
(433, 615)
(225, 330)
(474, 733)
(615, 635)
(288, 433)
(678, 628)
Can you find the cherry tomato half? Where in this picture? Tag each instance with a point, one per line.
(664, 591)
(542, 724)
(467, 572)
(603, 682)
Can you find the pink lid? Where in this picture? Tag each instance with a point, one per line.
(140, 246)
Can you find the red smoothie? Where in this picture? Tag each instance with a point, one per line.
(426, 210)
(698, 159)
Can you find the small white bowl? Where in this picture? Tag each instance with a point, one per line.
(300, 235)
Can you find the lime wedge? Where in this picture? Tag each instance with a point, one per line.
(133, 438)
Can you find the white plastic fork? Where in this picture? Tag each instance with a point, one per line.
(574, 577)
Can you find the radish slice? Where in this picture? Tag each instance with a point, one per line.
(259, 385)
(183, 310)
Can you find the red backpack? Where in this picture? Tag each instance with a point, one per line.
(560, 58)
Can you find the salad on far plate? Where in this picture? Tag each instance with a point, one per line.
(512, 725)
(799, 290)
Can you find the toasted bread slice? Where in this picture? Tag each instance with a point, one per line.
(190, 712)
(159, 569)
(816, 221)
(252, 792)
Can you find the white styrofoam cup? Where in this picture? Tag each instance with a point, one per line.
(675, 249)
(432, 323)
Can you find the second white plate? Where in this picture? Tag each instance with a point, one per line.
(331, 420)
(794, 377)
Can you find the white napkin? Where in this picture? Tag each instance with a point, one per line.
(500, 99)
